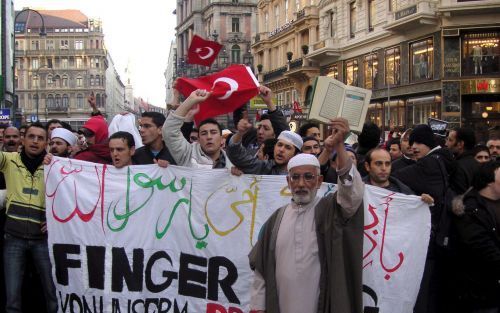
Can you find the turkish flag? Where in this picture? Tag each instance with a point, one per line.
(203, 51)
(231, 88)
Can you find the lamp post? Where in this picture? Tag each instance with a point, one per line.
(42, 34)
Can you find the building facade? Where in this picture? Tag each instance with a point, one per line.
(421, 58)
(58, 67)
(170, 72)
(6, 41)
(115, 91)
(231, 23)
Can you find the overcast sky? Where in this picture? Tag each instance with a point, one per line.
(135, 31)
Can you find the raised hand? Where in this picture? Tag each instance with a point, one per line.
(244, 126)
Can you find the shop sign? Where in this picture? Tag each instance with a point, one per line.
(406, 12)
(473, 86)
(257, 103)
(299, 116)
(4, 115)
(451, 59)
(282, 28)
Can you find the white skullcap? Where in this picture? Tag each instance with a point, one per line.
(292, 138)
(64, 134)
(303, 159)
(226, 132)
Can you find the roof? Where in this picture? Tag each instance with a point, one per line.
(54, 19)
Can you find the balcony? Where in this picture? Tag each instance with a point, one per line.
(301, 70)
(325, 51)
(61, 52)
(454, 7)
(271, 75)
(306, 14)
(57, 108)
(413, 16)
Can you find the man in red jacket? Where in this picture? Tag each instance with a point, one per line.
(95, 131)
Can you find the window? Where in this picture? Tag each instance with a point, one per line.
(235, 25)
(65, 80)
(480, 53)
(277, 16)
(352, 18)
(235, 54)
(49, 44)
(374, 113)
(79, 82)
(98, 100)
(35, 80)
(371, 14)
(395, 116)
(279, 98)
(94, 62)
(64, 44)
(79, 63)
(35, 45)
(266, 22)
(351, 71)
(392, 66)
(35, 64)
(286, 11)
(57, 81)
(98, 80)
(331, 23)
(422, 62)
(333, 71)
(19, 27)
(235, 1)
(78, 44)
(64, 63)
(91, 80)
(79, 102)
(50, 101)
(49, 63)
(370, 66)
(58, 101)
(50, 81)
(35, 101)
(65, 101)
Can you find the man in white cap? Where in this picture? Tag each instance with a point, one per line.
(309, 254)
(288, 145)
(61, 141)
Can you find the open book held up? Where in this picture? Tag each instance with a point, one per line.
(332, 98)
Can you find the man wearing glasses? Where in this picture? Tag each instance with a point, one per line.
(309, 254)
(95, 135)
(154, 149)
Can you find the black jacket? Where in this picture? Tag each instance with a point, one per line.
(467, 166)
(143, 155)
(400, 163)
(278, 120)
(426, 176)
(395, 185)
(478, 252)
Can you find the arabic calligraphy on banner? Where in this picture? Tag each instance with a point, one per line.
(143, 239)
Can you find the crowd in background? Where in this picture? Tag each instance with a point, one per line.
(456, 175)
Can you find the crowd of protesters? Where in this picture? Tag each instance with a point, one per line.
(458, 177)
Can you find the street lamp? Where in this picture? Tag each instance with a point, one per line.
(42, 34)
(37, 87)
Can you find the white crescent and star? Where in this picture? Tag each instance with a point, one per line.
(233, 86)
(206, 56)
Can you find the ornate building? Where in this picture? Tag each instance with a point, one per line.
(57, 71)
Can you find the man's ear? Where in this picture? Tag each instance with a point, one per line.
(132, 150)
(367, 166)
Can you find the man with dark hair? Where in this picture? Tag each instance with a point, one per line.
(394, 148)
(266, 149)
(368, 139)
(406, 151)
(310, 129)
(61, 142)
(311, 145)
(11, 139)
(477, 222)
(494, 145)
(207, 152)
(25, 226)
(154, 149)
(121, 148)
(461, 142)
(193, 135)
(51, 125)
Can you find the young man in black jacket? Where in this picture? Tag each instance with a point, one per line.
(154, 148)
(461, 142)
(478, 226)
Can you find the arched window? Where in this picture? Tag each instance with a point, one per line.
(235, 54)
(79, 102)
(50, 81)
(58, 101)
(91, 80)
(79, 81)
(57, 81)
(50, 101)
(98, 80)
(35, 81)
(65, 81)
(65, 101)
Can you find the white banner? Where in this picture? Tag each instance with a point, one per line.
(147, 239)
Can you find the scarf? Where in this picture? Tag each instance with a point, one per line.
(32, 163)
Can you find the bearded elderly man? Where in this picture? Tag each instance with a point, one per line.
(309, 255)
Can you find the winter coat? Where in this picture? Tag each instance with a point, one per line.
(248, 163)
(478, 252)
(96, 153)
(400, 163)
(143, 155)
(466, 167)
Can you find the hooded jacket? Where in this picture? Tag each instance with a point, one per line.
(98, 152)
(478, 252)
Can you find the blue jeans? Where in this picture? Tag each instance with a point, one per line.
(15, 252)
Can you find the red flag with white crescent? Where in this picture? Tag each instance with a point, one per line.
(231, 88)
(203, 51)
